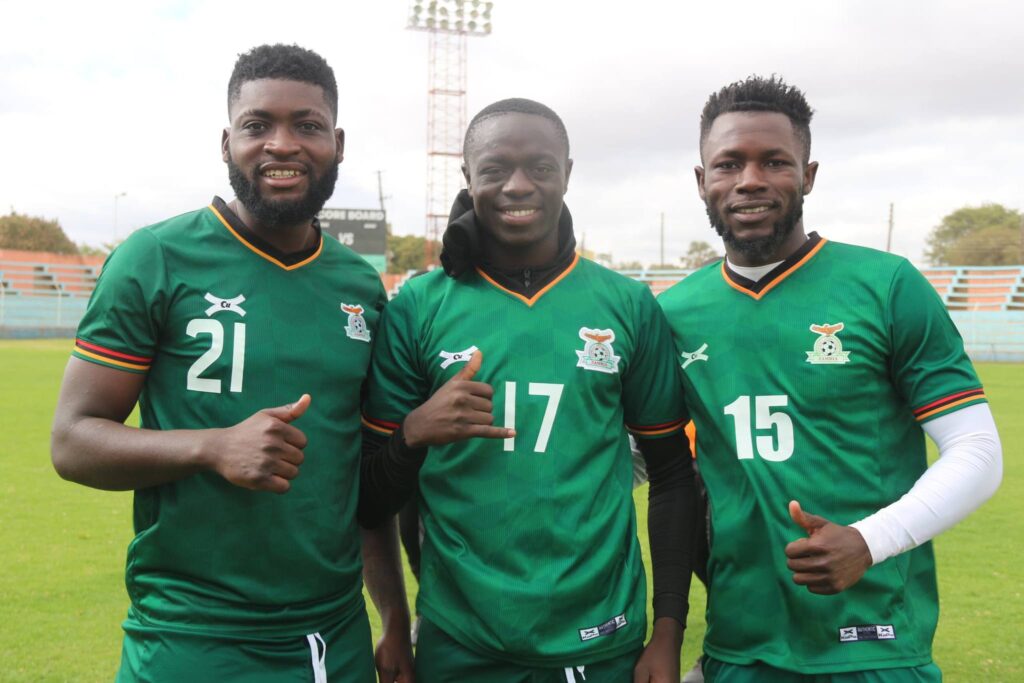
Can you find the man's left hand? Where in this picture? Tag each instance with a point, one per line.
(659, 662)
(393, 657)
(832, 557)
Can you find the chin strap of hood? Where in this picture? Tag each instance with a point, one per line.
(460, 245)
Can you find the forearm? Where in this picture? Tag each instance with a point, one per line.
(105, 454)
(966, 474)
(671, 523)
(382, 574)
(387, 478)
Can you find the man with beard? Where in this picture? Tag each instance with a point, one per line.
(814, 370)
(222, 324)
(506, 383)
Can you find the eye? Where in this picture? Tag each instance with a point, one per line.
(727, 165)
(776, 163)
(310, 127)
(543, 169)
(254, 126)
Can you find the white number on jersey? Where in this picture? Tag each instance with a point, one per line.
(777, 447)
(215, 329)
(554, 394)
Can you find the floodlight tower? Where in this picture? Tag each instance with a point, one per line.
(447, 23)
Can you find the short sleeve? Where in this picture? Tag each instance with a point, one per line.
(652, 392)
(122, 323)
(929, 366)
(396, 384)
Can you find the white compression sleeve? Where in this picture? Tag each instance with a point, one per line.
(967, 473)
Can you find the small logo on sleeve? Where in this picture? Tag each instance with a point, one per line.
(451, 358)
(854, 634)
(827, 347)
(597, 353)
(218, 305)
(607, 628)
(356, 328)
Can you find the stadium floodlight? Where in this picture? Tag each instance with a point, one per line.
(449, 16)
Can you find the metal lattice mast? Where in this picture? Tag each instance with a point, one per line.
(448, 23)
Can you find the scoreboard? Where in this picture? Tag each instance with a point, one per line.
(364, 231)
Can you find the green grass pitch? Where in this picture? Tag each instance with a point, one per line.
(62, 595)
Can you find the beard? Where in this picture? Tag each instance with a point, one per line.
(280, 214)
(759, 249)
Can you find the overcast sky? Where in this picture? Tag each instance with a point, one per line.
(917, 103)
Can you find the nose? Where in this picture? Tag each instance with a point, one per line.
(751, 179)
(518, 183)
(281, 142)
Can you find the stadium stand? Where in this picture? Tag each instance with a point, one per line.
(979, 288)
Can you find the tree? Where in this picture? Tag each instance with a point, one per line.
(408, 252)
(699, 254)
(986, 235)
(31, 233)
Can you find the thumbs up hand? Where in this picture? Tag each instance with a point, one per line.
(832, 557)
(263, 452)
(459, 410)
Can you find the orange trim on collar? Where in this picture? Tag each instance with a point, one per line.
(778, 278)
(264, 254)
(532, 300)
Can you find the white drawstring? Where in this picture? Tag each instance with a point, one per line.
(319, 656)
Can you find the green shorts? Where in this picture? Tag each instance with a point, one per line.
(441, 659)
(341, 652)
(717, 671)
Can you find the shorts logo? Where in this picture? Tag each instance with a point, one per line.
(853, 634)
(356, 328)
(457, 357)
(694, 356)
(219, 305)
(827, 348)
(597, 353)
(607, 628)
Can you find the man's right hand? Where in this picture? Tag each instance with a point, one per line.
(459, 410)
(264, 452)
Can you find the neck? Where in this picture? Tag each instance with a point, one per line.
(287, 239)
(537, 255)
(787, 248)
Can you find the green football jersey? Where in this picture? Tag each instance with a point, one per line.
(530, 552)
(810, 385)
(223, 328)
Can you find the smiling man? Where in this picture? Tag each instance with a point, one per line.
(222, 324)
(821, 367)
(531, 569)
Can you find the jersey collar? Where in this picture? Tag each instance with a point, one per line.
(530, 301)
(758, 289)
(230, 220)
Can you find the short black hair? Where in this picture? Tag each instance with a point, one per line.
(515, 105)
(288, 62)
(758, 93)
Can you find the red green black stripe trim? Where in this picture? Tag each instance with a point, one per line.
(949, 402)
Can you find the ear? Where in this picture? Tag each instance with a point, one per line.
(465, 174)
(568, 171)
(224, 136)
(339, 137)
(698, 172)
(810, 173)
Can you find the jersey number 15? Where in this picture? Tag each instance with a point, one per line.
(774, 447)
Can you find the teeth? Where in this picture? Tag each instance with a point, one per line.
(279, 173)
(520, 212)
(756, 209)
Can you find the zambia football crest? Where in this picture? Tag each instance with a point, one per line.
(827, 347)
(356, 328)
(597, 353)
